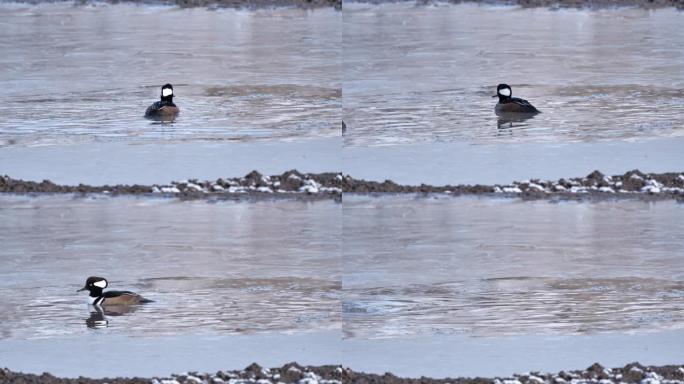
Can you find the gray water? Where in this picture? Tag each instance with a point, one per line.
(463, 163)
(126, 163)
(116, 355)
(226, 268)
(459, 355)
(416, 74)
(497, 267)
(73, 74)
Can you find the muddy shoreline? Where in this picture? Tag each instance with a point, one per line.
(552, 4)
(596, 185)
(254, 185)
(333, 374)
(630, 373)
(337, 4)
(211, 4)
(330, 185)
(288, 373)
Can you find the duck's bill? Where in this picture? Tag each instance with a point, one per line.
(82, 289)
(495, 96)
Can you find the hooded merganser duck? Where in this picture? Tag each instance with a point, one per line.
(508, 104)
(163, 109)
(96, 284)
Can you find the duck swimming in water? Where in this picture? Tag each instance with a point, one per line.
(95, 286)
(511, 105)
(163, 109)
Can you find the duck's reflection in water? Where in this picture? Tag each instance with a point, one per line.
(513, 120)
(98, 315)
(162, 120)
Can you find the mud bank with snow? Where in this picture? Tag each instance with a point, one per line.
(288, 373)
(554, 4)
(252, 185)
(332, 374)
(239, 4)
(595, 374)
(632, 184)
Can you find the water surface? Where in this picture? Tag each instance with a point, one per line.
(464, 163)
(71, 74)
(123, 163)
(115, 355)
(459, 355)
(497, 267)
(211, 268)
(426, 74)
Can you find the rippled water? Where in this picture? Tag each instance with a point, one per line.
(211, 268)
(427, 73)
(496, 267)
(87, 73)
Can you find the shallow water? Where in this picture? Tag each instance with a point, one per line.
(497, 267)
(459, 355)
(116, 355)
(150, 163)
(416, 74)
(211, 268)
(81, 74)
(463, 163)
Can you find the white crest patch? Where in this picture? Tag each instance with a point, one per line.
(505, 92)
(167, 92)
(101, 283)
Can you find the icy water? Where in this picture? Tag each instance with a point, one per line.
(426, 74)
(505, 267)
(82, 74)
(227, 268)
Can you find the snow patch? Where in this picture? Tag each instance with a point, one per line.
(170, 190)
(512, 190)
(195, 187)
(310, 186)
(536, 187)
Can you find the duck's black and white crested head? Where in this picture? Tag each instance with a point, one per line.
(94, 285)
(503, 91)
(167, 92)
